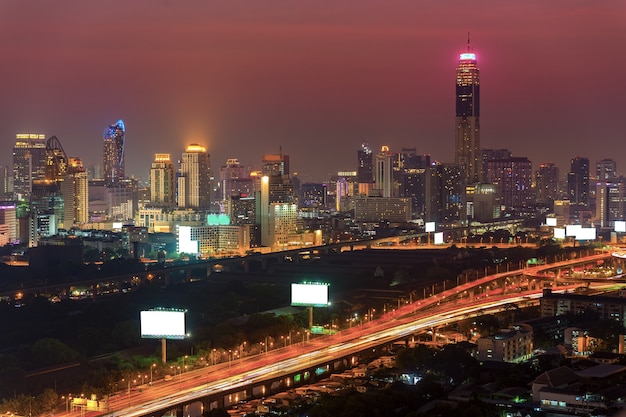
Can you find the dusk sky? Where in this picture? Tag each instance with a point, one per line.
(245, 77)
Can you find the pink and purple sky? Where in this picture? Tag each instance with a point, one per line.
(245, 77)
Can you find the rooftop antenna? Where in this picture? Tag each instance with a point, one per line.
(469, 48)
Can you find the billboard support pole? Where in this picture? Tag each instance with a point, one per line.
(163, 351)
(310, 317)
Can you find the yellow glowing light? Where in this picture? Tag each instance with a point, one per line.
(194, 147)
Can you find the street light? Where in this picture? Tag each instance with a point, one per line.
(152, 367)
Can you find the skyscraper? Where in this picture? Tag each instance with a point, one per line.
(467, 130)
(514, 178)
(194, 181)
(75, 190)
(113, 153)
(384, 172)
(162, 182)
(29, 162)
(547, 183)
(606, 170)
(578, 181)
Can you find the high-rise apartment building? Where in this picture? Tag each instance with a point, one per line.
(578, 181)
(113, 158)
(547, 183)
(29, 162)
(467, 130)
(162, 181)
(514, 178)
(194, 181)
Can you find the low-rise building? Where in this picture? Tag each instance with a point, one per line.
(514, 344)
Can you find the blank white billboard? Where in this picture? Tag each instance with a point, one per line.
(311, 295)
(429, 227)
(559, 233)
(586, 233)
(438, 238)
(185, 244)
(551, 221)
(620, 226)
(572, 229)
(163, 324)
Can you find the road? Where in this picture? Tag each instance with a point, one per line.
(433, 312)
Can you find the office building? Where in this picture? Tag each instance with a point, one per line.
(483, 202)
(382, 209)
(194, 180)
(445, 195)
(547, 184)
(383, 176)
(606, 170)
(162, 181)
(610, 202)
(282, 188)
(8, 224)
(275, 165)
(214, 240)
(234, 180)
(29, 162)
(467, 122)
(113, 153)
(413, 186)
(578, 181)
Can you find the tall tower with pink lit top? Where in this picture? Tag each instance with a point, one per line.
(467, 122)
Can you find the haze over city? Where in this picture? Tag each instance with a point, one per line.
(317, 79)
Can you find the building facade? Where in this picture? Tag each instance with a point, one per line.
(547, 183)
(162, 181)
(513, 345)
(29, 162)
(194, 181)
(467, 122)
(113, 153)
(578, 181)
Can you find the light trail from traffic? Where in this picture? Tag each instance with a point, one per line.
(437, 310)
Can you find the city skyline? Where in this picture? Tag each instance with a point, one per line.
(245, 79)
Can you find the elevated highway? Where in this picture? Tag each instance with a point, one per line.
(225, 384)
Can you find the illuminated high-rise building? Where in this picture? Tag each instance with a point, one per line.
(162, 181)
(113, 153)
(281, 185)
(383, 177)
(194, 181)
(467, 122)
(365, 169)
(75, 190)
(514, 178)
(29, 162)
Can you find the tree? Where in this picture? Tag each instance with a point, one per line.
(50, 351)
